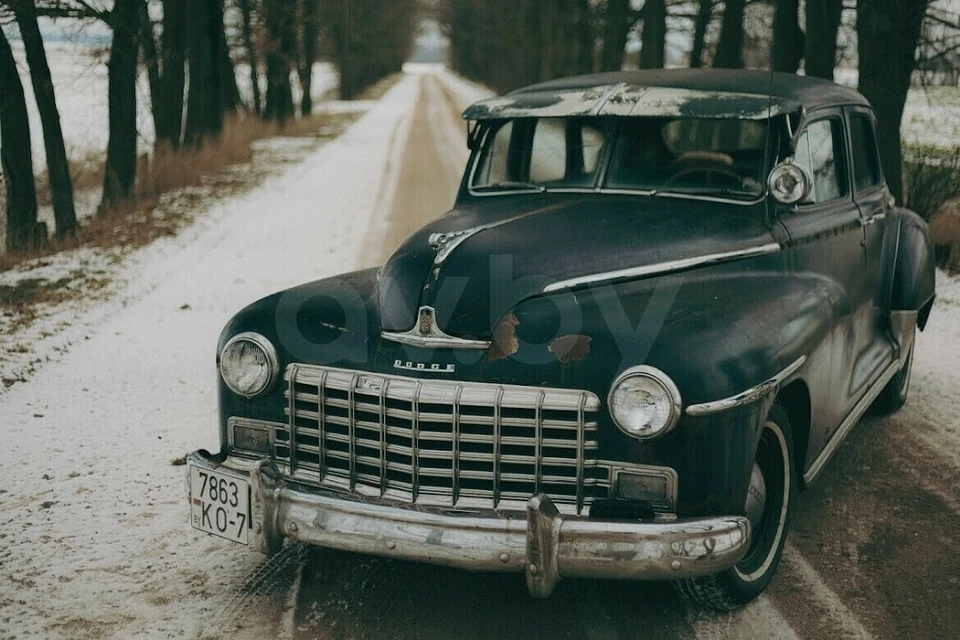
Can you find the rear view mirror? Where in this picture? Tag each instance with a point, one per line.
(789, 183)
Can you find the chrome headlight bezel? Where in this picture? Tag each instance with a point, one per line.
(270, 353)
(666, 385)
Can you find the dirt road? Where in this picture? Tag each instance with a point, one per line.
(871, 553)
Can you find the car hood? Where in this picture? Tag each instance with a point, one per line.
(476, 263)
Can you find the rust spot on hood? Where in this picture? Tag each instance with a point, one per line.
(571, 348)
(504, 343)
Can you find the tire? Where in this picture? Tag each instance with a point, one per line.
(894, 395)
(735, 587)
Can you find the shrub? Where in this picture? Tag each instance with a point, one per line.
(931, 177)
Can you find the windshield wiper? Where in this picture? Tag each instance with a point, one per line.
(512, 185)
(706, 191)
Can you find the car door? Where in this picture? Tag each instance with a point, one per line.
(826, 235)
(874, 202)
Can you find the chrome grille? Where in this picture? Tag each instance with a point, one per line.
(440, 442)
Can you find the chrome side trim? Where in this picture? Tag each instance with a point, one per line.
(852, 418)
(662, 267)
(745, 397)
(427, 334)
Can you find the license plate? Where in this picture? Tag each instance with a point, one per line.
(220, 504)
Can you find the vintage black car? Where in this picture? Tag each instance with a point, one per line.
(661, 301)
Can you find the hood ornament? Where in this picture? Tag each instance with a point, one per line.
(427, 334)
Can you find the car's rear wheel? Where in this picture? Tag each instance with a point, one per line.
(894, 395)
(768, 507)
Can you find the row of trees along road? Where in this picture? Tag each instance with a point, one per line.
(511, 43)
(189, 50)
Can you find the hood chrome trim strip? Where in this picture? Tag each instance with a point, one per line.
(745, 397)
(428, 335)
(662, 267)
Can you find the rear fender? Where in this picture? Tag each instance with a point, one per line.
(913, 284)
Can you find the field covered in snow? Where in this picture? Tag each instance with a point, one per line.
(80, 82)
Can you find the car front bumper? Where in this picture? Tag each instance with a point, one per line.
(542, 543)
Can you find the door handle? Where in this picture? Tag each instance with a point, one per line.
(872, 219)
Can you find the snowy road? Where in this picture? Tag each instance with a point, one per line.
(94, 538)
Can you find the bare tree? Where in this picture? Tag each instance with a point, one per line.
(823, 22)
(701, 23)
(653, 40)
(246, 15)
(787, 37)
(121, 166)
(229, 93)
(204, 107)
(61, 185)
(310, 18)
(151, 60)
(888, 32)
(173, 47)
(730, 48)
(16, 158)
(279, 18)
(617, 20)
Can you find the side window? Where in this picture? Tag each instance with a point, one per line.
(548, 160)
(819, 150)
(866, 164)
(495, 157)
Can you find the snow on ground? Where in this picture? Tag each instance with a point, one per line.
(79, 74)
(94, 536)
(935, 388)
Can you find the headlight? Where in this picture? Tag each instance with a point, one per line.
(644, 402)
(248, 364)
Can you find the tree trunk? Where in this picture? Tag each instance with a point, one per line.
(230, 94)
(730, 48)
(148, 47)
(616, 26)
(653, 41)
(16, 157)
(173, 47)
(204, 110)
(887, 35)
(823, 21)
(121, 167)
(704, 14)
(61, 185)
(787, 37)
(279, 17)
(308, 53)
(252, 58)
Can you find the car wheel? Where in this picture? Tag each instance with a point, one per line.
(768, 507)
(894, 395)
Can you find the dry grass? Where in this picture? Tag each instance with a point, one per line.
(86, 172)
(138, 221)
(169, 169)
(931, 177)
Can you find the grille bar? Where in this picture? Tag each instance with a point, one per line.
(441, 440)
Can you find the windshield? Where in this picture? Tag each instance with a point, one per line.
(661, 156)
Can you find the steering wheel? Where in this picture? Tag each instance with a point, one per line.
(726, 173)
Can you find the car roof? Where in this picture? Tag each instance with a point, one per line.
(670, 92)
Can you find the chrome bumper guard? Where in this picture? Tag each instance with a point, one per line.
(542, 543)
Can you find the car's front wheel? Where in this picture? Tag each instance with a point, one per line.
(768, 507)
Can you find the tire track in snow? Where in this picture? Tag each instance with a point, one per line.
(260, 607)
